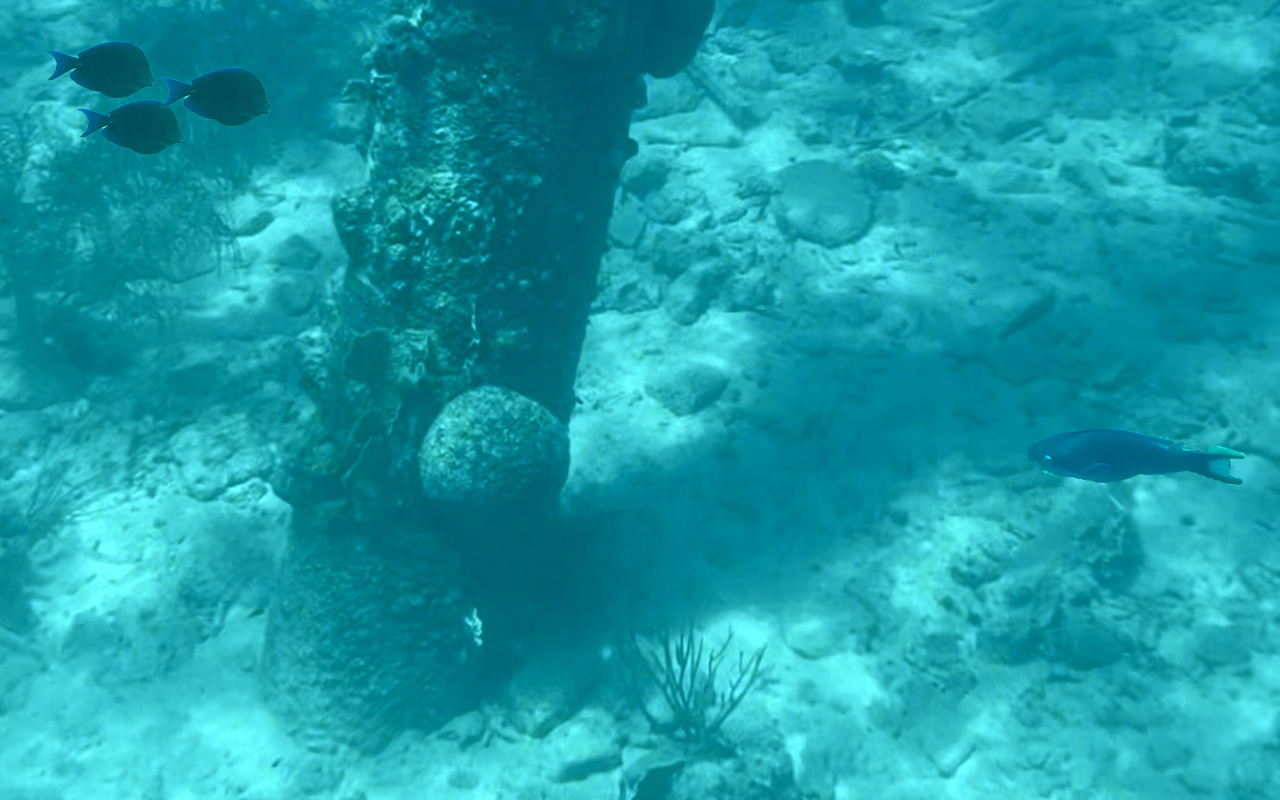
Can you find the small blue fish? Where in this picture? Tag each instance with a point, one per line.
(231, 96)
(144, 126)
(1106, 456)
(117, 69)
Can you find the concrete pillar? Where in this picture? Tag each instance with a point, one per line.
(496, 131)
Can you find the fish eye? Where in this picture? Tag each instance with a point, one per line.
(1047, 457)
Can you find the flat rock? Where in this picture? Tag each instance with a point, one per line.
(689, 389)
(821, 203)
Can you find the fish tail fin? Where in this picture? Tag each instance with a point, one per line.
(177, 90)
(96, 121)
(64, 63)
(1218, 464)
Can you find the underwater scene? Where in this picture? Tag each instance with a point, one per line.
(640, 400)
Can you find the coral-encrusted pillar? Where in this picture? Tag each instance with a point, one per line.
(496, 130)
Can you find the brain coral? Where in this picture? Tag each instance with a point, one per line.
(491, 448)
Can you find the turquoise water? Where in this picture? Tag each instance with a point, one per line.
(411, 439)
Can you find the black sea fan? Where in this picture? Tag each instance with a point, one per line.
(687, 672)
(33, 506)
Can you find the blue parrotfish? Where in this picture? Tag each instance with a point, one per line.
(1106, 456)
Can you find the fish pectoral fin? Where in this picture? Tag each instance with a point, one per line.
(1219, 450)
(1097, 469)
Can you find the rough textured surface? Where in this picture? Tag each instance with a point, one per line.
(474, 247)
(366, 636)
(493, 447)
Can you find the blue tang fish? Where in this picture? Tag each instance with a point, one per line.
(1106, 456)
(144, 126)
(117, 69)
(231, 96)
